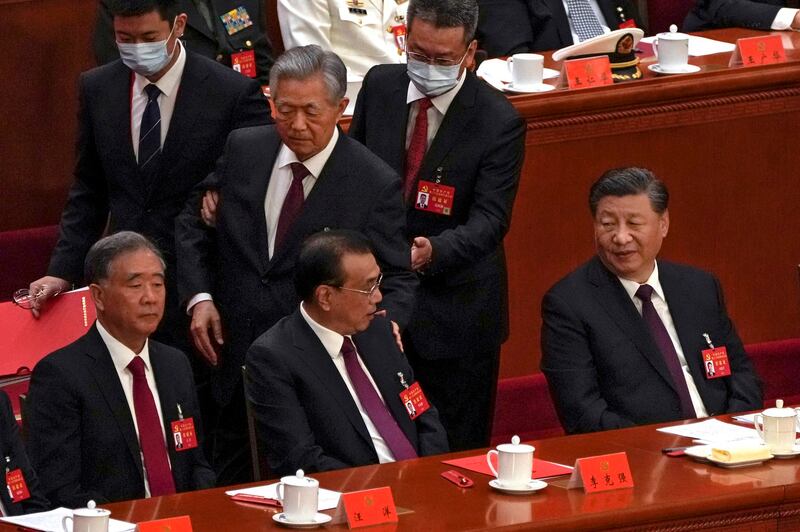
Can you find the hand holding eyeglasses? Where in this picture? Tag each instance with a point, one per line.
(39, 292)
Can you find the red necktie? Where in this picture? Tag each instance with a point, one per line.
(388, 428)
(151, 436)
(292, 204)
(667, 348)
(417, 147)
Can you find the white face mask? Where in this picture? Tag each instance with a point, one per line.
(432, 80)
(146, 58)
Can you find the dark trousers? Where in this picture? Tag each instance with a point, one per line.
(231, 441)
(463, 390)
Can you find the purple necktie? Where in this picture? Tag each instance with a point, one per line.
(390, 431)
(292, 204)
(667, 348)
(151, 436)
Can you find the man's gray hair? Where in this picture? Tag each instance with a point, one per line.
(627, 182)
(97, 266)
(303, 62)
(446, 14)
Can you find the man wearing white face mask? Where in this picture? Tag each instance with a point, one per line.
(459, 144)
(151, 126)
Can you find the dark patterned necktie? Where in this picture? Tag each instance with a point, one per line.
(584, 20)
(150, 135)
(667, 348)
(377, 411)
(292, 204)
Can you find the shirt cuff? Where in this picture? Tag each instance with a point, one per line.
(784, 18)
(202, 296)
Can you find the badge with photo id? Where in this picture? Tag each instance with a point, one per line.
(434, 197)
(244, 63)
(414, 401)
(184, 436)
(715, 362)
(16, 485)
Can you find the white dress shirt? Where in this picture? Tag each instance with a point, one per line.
(436, 111)
(168, 84)
(332, 341)
(280, 180)
(600, 18)
(121, 355)
(659, 301)
(784, 18)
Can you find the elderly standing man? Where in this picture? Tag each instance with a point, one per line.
(327, 382)
(459, 145)
(103, 411)
(277, 185)
(626, 337)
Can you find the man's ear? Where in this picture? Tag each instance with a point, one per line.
(97, 296)
(323, 295)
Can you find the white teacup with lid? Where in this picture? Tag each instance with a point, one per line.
(777, 427)
(299, 496)
(89, 519)
(672, 49)
(514, 463)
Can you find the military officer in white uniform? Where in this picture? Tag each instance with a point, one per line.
(363, 33)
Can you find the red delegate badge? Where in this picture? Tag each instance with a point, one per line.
(17, 488)
(435, 198)
(715, 362)
(183, 434)
(244, 62)
(414, 400)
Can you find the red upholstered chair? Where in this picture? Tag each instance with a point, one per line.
(778, 365)
(25, 255)
(662, 13)
(523, 407)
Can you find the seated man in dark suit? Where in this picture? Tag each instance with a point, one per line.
(508, 27)
(327, 384)
(625, 337)
(24, 493)
(103, 410)
(755, 14)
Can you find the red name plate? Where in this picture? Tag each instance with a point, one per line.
(171, 524)
(761, 50)
(588, 72)
(369, 507)
(602, 473)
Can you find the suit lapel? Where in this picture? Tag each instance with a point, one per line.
(196, 20)
(611, 295)
(458, 115)
(391, 143)
(684, 317)
(105, 375)
(168, 399)
(313, 353)
(374, 355)
(560, 20)
(256, 190)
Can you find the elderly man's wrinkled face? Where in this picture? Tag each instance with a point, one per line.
(628, 234)
(304, 115)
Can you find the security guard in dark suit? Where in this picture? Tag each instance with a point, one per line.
(232, 32)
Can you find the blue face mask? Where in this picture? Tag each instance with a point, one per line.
(432, 80)
(146, 58)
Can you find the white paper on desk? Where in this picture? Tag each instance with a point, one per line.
(701, 45)
(713, 431)
(328, 499)
(746, 418)
(51, 521)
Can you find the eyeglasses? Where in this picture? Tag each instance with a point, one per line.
(367, 293)
(23, 297)
(438, 61)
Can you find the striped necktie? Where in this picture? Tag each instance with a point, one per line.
(150, 135)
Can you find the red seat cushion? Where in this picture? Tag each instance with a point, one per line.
(523, 407)
(25, 255)
(778, 365)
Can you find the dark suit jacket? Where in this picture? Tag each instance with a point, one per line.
(478, 149)
(81, 435)
(11, 447)
(755, 14)
(603, 366)
(305, 415)
(214, 44)
(356, 190)
(506, 27)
